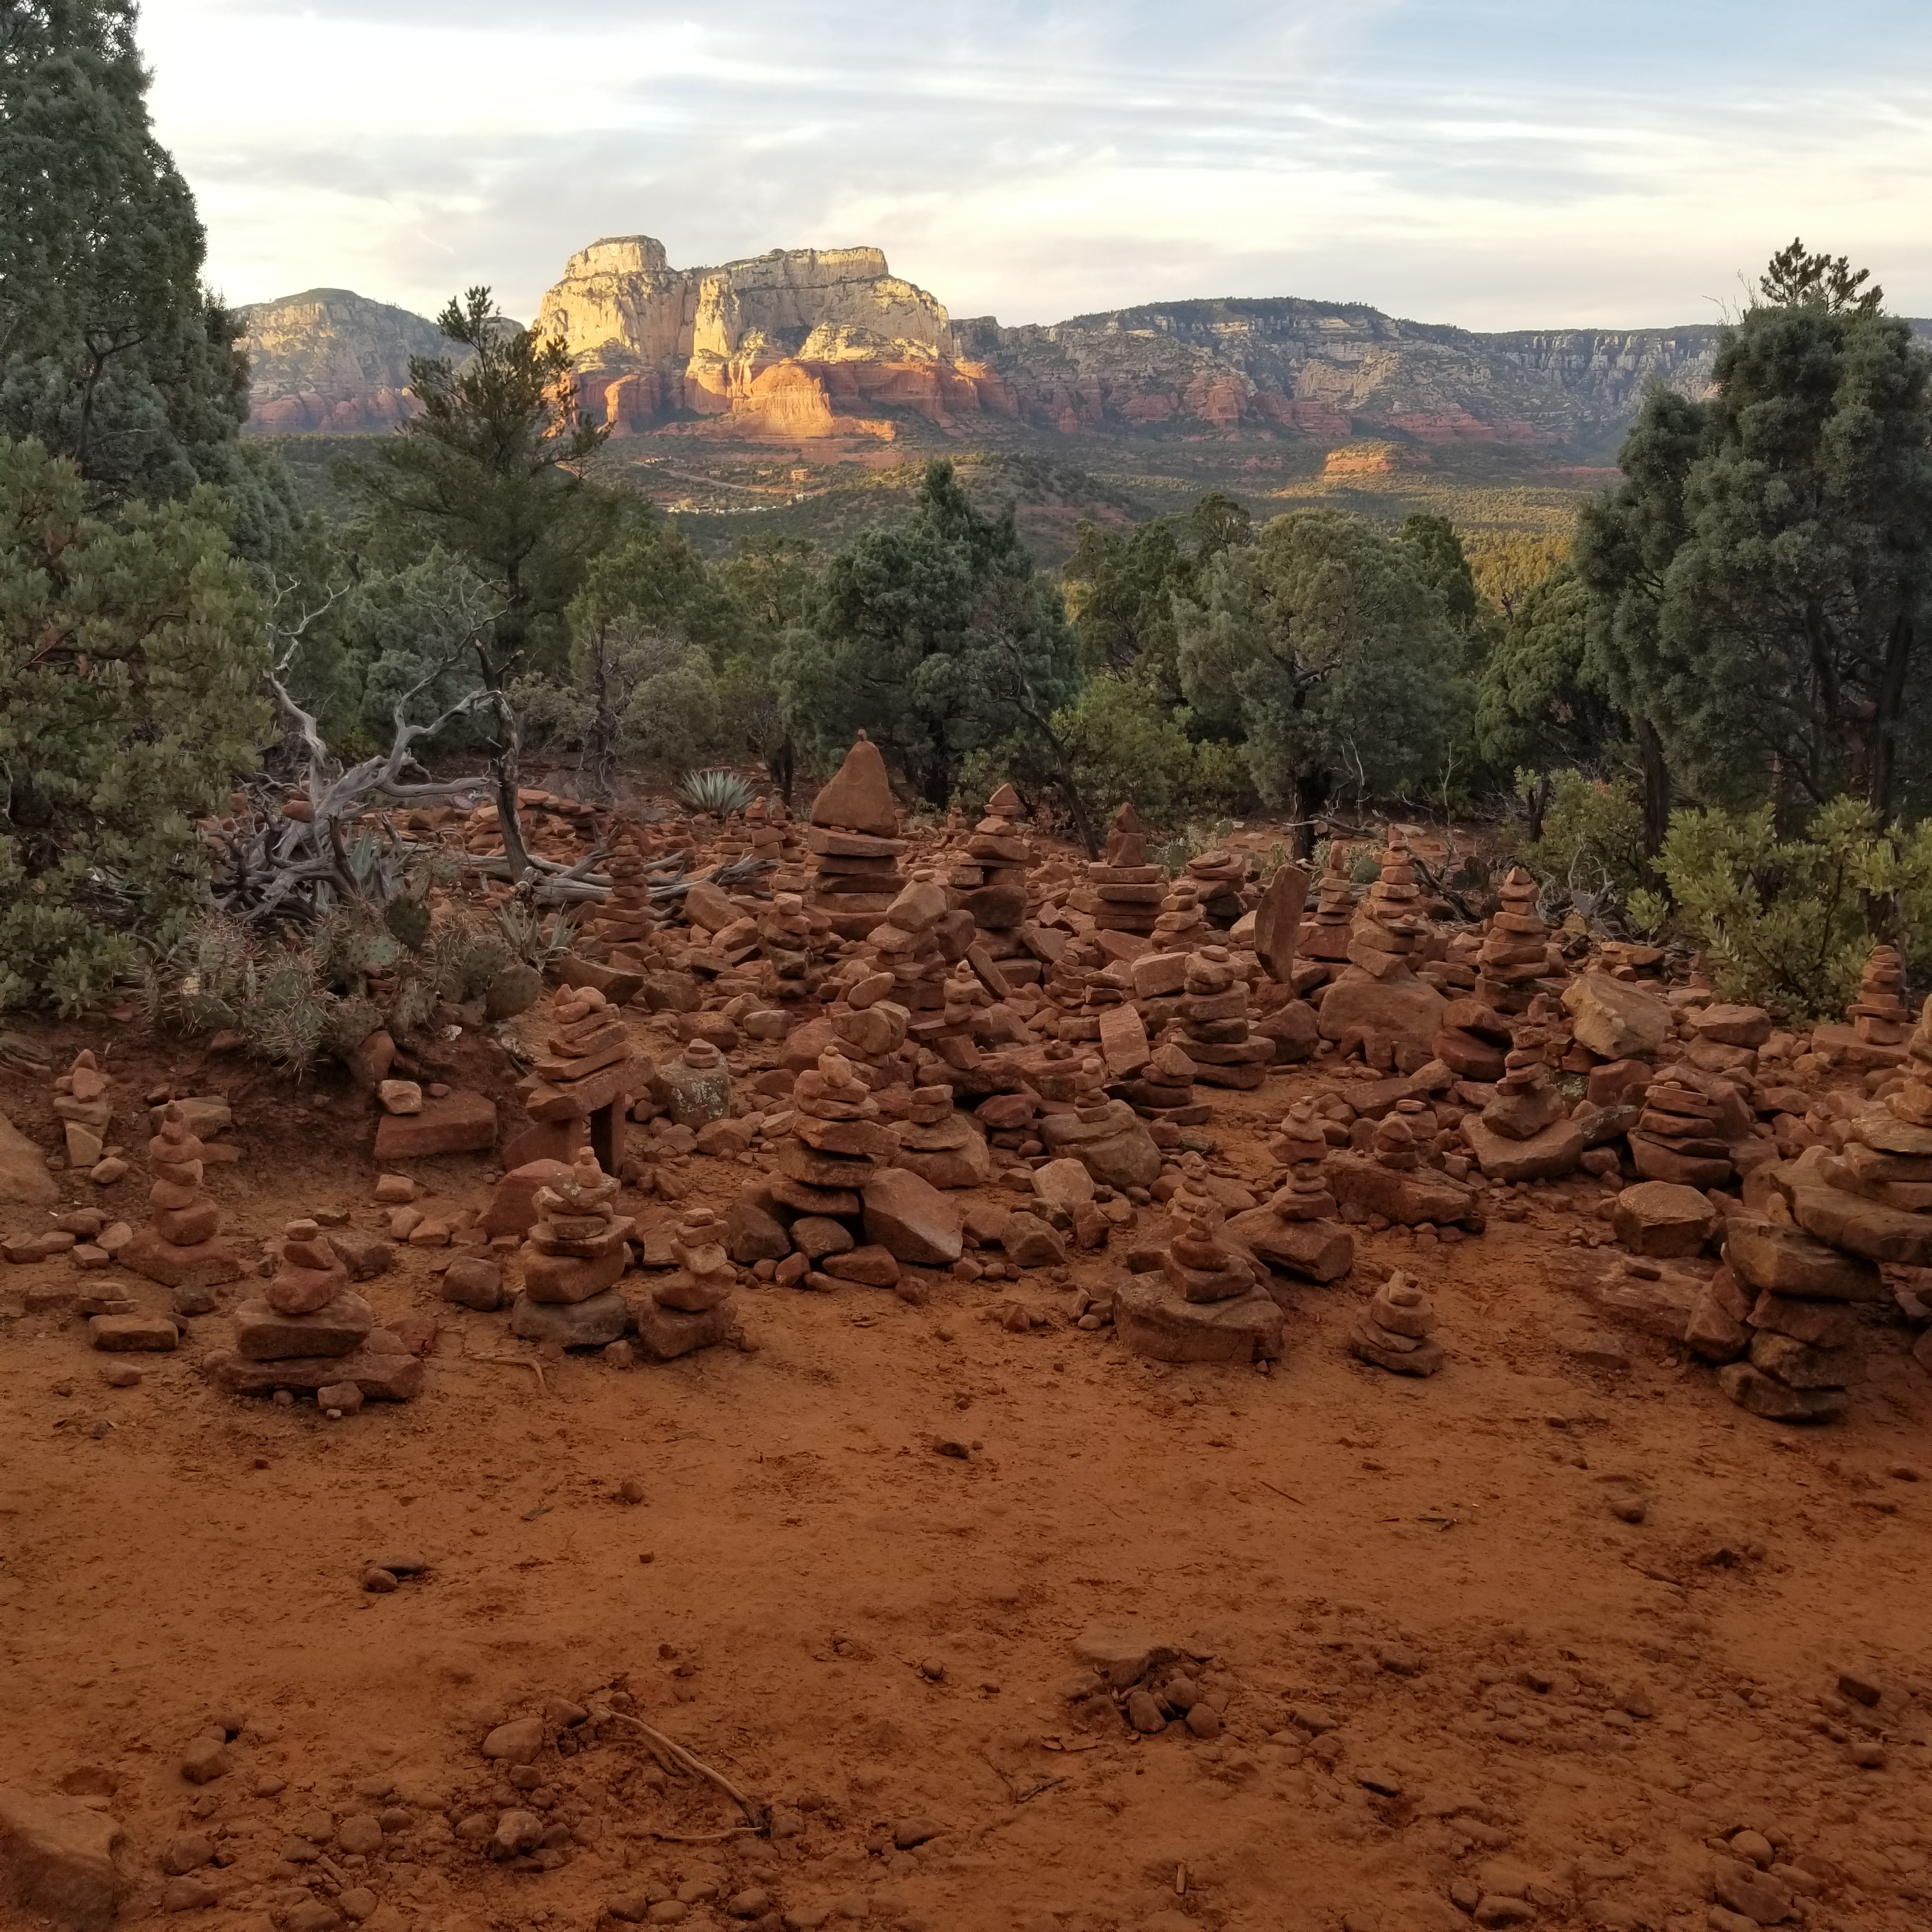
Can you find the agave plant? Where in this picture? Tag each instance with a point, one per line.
(715, 791)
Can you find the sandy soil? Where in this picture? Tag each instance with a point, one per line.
(1421, 1586)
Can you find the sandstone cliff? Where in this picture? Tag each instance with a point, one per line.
(330, 360)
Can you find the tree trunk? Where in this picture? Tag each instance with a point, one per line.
(1311, 794)
(1882, 751)
(1656, 793)
(1539, 804)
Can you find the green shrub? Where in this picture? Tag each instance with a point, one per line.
(1124, 742)
(1592, 840)
(1791, 921)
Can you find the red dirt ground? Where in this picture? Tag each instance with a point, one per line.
(813, 1601)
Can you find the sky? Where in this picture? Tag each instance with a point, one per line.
(1495, 163)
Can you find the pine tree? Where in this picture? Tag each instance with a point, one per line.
(112, 352)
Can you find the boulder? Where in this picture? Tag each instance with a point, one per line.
(1862, 1227)
(753, 1231)
(1732, 1025)
(663, 1334)
(1317, 1251)
(1064, 1183)
(1030, 1242)
(1751, 1389)
(1655, 1218)
(512, 1208)
(1408, 1199)
(1295, 1030)
(1616, 1019)
(1781, 1260)
(1717, 1330)
(1798, 1365)
(859, 797)
(911, 1219)
(1400, 1006)
(1659, 1301)
(1278, 921)
(58, 1856)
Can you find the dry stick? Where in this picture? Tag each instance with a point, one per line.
(1267, 1485)
(517, 1362)
(662, 1745)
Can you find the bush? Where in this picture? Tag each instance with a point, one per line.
(1790, 921)
(1592, 842)
(1123, 741)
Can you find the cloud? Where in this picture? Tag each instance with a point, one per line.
(1499, 165)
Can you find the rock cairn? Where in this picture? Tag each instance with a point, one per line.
(1525, 1132)
(1296, 1231)
(1123, 891)
(180, 1247)
(1203, 1301)
(581, 1086)
(1214, 1024)
(572, 1260)
(625, 918)
(1164, 1090)
(309, 1331)
(1328, 934)
(1678, 1135)
(693, 1305)
(786, 932)
(693, 1084)
(1395, 1331)
(1515, 951)
(853, 846)
(836, 1143)
(85, 1112)
(944, 1147)
(1180, 925)
(1217, 878)
(1879, 1015)
(1388, 931)
(993, 877)
(1474, 1042)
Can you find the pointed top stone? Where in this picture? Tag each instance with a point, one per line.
(1005, 803)
(859, 796)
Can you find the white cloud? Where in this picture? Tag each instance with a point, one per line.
(1486, 164)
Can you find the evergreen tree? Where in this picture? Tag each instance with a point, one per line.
(1760, 580)
(132, 656)
(494, 470)
(938, 640)
(112, 352)
(1322, 647)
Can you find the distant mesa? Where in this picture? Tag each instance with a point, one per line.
(804, 344)
(1374, 457)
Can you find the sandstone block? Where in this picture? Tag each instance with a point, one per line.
(206, 1265)
(460, 1122)
(1751, 1389)
(265, 1334)
(1547, 1156)
(60, 1857)
(591, 1323)
(383, 1369)
(1317, 1251)
(1799, 1366)
(1782, 1260)
(117, 1334)
(1152, 1320)
(1655, 1218)
(911, 1218)
(663, 1334)
(1616, 1019)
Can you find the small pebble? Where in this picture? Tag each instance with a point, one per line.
(378, 1581)
(631, 1489)
(122, 1376)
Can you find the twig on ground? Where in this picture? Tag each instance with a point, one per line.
(662, 1746)
(517, 1362)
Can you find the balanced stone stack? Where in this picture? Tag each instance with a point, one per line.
(1000, 855)
(1526, 1132)
(1473, 1041)
(1122, 892)
(1296, 1231)
(1163, 1090)
(1786, 1304)
(1180, 926)
(180, 1246)
(573, 1259)
(1328, 934)
(85, 1113)
(836, 1144)
(1214, 1024)
(1394, 1331)
(785, 934)
(1389, 929)
(581, 1086)
(1678, 1136)
(694, 1085)
(905, 962)
(1376, 1003)
(624, 920)
(1217, 878)
(693, 1305)
(1879, 1015)
(852, 839)
(309, 1330)
(1515, 951)
(1203, 1299)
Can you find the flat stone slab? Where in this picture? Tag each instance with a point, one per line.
(578, 1324)
(383, 1370)
(119, 1334)
(460, 1123)
(265, 1334)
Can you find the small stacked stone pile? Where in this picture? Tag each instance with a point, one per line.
(1296, 1231)
(904, 960)
(1214, 1024)
(774, 837)
(1180, 926)
(1389, 929)
(853, 844)
(1677, 1135)
(1327, 936)
(625, 918)
(1879, 1014)
(1525, 1133)
(1515, 949)
(309, 1330)
(996, 851)
(580, 1087)
(1217, 878)
(573, 1258)
(1163, 1091)
(694, 1085)
(1387, 1182)
(85, 1113)
(944, 1147)
(1204, 1300)
(693, 1305)
(180, 1246)
(836, 1144)
(1394, 1331)
(785, 934)
(1122, 892)
(1474, 1042)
